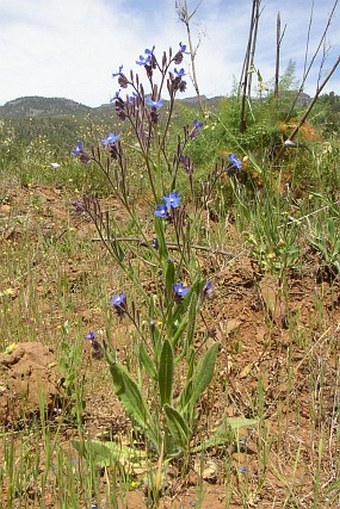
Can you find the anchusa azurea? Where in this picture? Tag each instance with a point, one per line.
(208, 291)
(235, 165)
(96, 347)
(171, 201)
(179, 55)
(79, 151)
(118, 303)
(111, 139)
(172, 305)
(196, 126)
(186, 162)
(155, 104)
(135, 102)
(180, 291)
(161, 210)
(115, 74)
(145, 60)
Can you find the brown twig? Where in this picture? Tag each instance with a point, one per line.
(170, 245)
(185, 16)
(306, 71)
(309, 109)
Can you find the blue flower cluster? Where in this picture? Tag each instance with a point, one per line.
(145, 60)
(171, 201)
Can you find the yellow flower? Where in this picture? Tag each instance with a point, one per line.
(11, 348)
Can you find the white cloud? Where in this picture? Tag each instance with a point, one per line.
(70, 48)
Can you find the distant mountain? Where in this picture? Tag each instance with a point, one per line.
(38, 106)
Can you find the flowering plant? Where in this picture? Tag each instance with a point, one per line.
(167, 333)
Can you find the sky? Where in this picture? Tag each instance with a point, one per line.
(70, 48)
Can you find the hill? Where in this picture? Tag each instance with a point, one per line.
(37, 106)
(34, 106)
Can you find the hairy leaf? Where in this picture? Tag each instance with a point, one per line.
(177, 426)
(105, 453)
(130, 396)
(204, 373)
(166, 373)
(224, 432)
(147, 362)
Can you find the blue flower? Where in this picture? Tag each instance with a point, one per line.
(180, 290)
(243, 469)
(96, 348)
(115, 97)
(132, 98)
(182, 47)
(149, 51)
(180, 73)
(118, 302)
(118, 299)
(172, 200)
(234, 161)
(208, 289)
(145, 60)
(114, 74)
(197, 124)
(155, 104)
(78, 149)
(186, 162)
(78, 206)
(161, 210)
(178, 58)
(111, 139)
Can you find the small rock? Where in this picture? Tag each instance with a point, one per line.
(27, 373)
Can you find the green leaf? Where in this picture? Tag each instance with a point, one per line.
(177, 426)
(175, 319)
(204, 373)
(146, 361)
(239, 422)
(106, 453)
(185, 396)
(110, 354)
(169, 279)
(118, 251)
(224, 432)
(166, 373)
(178, 332)
(130, 396)
(154, 331)
(186, 393)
